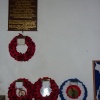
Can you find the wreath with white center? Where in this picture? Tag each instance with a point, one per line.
(73, 89)
(18, 55)
(53, 89)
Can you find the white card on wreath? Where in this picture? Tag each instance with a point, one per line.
(73, 83)
(21, 41)
(46, 83)
(19, 85)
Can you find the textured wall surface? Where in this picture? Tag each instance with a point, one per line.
(67, 40)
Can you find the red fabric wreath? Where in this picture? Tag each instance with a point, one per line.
(22, 56)
(12, 90)
(37, 86)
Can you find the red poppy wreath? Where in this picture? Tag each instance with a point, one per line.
(38, 92)
(12, 95)
(18, 55)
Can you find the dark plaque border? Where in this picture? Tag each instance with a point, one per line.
(16, 19)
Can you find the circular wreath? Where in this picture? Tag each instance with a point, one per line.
(75, 91)
(12, 90)
(18, 55)
(37, 86)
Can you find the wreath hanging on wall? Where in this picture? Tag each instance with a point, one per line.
(37, 90)
(73, 89)
(12, 90)
(18, 55)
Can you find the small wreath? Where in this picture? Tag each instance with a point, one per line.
(37, 86)
(12, 90)
(73, 89)
(18, 55)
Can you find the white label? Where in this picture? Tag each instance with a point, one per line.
(21, 41)
(19, 85)
(74, 83)
(46, 83)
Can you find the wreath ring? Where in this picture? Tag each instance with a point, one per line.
(67, 90)
(37, 87)
(18, 55)
(12, 90)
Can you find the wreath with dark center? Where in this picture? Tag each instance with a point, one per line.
(12, 90)
(37, 86)
(18, 55)
(73, 89)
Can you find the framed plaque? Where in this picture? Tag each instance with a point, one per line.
(96, 79)
(22, 15)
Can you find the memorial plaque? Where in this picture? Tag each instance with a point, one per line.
(22, 15)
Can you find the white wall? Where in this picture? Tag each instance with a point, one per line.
(67, 41)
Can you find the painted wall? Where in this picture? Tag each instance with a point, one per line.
(67, 40)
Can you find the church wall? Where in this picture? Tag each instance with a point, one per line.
(67, 41)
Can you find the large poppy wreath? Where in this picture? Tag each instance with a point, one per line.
(18, 55)
(37, 86)
(73, 89)
(12, 90)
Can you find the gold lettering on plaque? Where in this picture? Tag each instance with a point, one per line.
(22, 14)
(22, 24)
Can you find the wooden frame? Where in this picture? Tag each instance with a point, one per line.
(96, 79)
